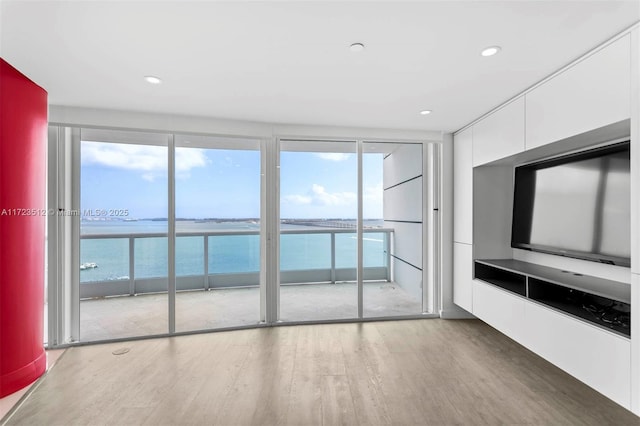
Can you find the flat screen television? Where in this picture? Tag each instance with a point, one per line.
(576, 205)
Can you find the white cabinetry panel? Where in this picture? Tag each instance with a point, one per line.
(499, 135)
(598, 358)
(463, 275)
(591, 94)
(635, 156)
(463, 187)
(500, 309)
(635, 345)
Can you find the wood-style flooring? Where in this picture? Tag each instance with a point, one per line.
(418, 372)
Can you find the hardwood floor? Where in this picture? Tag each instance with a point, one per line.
(421, 372)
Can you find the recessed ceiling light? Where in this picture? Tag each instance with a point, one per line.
(152, 79)
(356, 47)
(425, 112)
(490, 51)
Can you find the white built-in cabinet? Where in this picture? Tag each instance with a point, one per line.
(599, 358)
(635, 344)
(463, 218)
(501, 134)
(463, 275)
(635, 220)
(463, 187)
(601, 89)
(589, 95)
(635, 160)
(502, 310)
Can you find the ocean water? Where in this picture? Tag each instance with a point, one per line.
(226, 253)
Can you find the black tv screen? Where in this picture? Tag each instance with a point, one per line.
(576, 205)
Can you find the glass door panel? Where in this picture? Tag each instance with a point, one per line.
(123, 234)
(392, 228)
(318, 218)
(217, 189)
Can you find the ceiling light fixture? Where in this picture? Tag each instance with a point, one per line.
(425, 112)
(152, 79)
(356, 47)
(490, 51)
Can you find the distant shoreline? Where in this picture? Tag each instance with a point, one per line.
(220, 220)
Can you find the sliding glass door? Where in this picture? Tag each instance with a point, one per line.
(322, 242)
(318, 238)
(179, 233)
(123, 234)
(217, 186)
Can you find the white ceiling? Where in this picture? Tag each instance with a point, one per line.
(290, 62)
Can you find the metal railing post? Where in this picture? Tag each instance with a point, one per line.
(132, 278)
(333, 257)
(206, 262)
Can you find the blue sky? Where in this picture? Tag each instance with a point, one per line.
(225, 183)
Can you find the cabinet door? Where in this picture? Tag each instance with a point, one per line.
(594, 356)
(635, 344)
(463, 187)
(463, 275)
(591, 94)
(499, 135)
(500, 309)
(635, 159)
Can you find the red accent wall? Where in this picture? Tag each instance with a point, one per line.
(23, 135)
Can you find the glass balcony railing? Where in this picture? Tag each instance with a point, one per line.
(136, 263)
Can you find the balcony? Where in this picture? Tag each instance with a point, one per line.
(216, 274)
(318, 277)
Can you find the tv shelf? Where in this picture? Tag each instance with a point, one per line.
(602, 302)
(504, 278)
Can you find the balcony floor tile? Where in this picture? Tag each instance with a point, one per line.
(130, 316)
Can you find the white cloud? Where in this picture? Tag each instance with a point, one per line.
(298, 199)
(332, 199)
(150, 160)
(333, 156)
(318, 195)
(187, 159)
